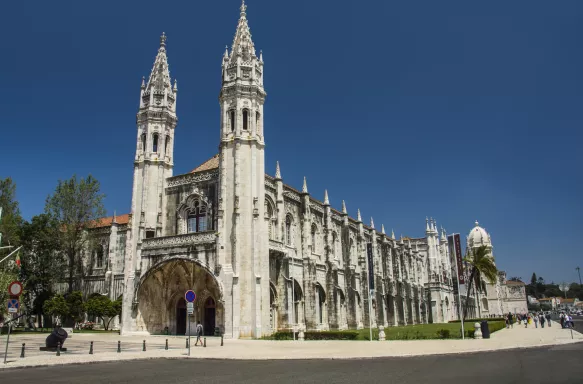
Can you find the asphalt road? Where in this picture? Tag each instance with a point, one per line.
(560, 364)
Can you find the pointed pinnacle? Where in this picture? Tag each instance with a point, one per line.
(358, 217)
(243, 8)
(226, 55)
(175, 85)
(277, 171)
(326, 201)
(261, 56)
(143, 82)
(383, 229)
(114, 220)
(344, 207)
(305, 186)
(163, 40)
(371, 223)
(392, 234)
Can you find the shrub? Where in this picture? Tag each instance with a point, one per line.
(314, 335)
(443, 333)
(479, 320)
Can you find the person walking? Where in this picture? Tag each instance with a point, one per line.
(509, 320)
(535, 319)
(562, 319)
(548, 316)
(198, 333)
(542, 320)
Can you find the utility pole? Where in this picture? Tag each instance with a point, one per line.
(579, 272)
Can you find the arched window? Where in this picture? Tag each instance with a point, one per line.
(321, 300)
(143, 141)
(352, 252)
(288, 223)
(232, 119)
(314, 230)
(245, 119)
(99, 257)
(197, 219)
(155, 142)
(269, 218)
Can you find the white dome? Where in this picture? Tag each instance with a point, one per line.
(478, 237)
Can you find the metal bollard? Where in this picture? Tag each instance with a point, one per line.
(119, 347)
(221, 340)
(91, 348)
(166, 347)
(22, 351)
(144, 346)
(187, 343)
(204, 345)
(59, 349)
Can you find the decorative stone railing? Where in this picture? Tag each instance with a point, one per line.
(208, 237)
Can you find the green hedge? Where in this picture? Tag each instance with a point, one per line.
(479, 320)
(313, 335)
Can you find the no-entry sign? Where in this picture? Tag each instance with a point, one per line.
(190, 296)
(15, 288)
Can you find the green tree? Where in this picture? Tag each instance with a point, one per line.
(515, 278)
(103, 308)
(76, 204)
(76, 306)
(43, 265)
(10, 223)
(481, 263)
(56, 306)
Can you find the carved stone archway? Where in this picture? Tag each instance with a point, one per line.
(160, 295)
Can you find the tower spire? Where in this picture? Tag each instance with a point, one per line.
(159, 80)
(344, 207)
(358, 217)
(242, 43)
(326, 201)
(383, 229)
(305, 186)
(277, 171)
(371, 223)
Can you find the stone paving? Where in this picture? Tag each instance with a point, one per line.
(105, 347)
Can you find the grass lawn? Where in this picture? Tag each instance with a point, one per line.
(424, 331)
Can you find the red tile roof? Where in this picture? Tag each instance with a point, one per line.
(513, 282)
(212, 163)
(106, 221)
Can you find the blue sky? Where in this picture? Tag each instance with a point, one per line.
(405, 109)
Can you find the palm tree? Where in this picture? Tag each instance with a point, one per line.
(481, 263)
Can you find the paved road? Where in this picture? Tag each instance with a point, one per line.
(560, 364)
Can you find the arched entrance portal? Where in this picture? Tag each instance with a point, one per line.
(161, 304)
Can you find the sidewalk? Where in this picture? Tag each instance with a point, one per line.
(105, 347)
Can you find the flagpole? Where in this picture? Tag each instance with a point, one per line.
(11, 253)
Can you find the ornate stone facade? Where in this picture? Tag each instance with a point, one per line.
(261, 255)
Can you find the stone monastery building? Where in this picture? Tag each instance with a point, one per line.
(260, 255)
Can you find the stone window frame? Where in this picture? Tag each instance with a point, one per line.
(189, 204)
(270, 218)
(289, 223)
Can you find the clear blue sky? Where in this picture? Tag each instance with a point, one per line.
(405, 109)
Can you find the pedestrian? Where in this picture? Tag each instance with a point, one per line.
(542, 320)
(198, 333)
(509, 320)
(562, 320)
(548, 316)
(535, 319)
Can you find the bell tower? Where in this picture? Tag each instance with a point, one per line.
(153, 164)
(243, 238)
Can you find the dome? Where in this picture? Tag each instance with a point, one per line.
(478, 237)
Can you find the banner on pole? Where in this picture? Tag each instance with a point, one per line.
(370, 266)
(458, 257)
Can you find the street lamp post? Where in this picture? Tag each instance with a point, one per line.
(579, 272)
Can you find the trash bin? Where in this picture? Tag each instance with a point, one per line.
(485, 330)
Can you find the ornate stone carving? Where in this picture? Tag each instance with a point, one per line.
(292, 195)
(180, 240)
(190, 178)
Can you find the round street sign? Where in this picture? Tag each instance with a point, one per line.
(190, 296)
(15, 288)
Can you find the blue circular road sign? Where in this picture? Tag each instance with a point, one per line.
(190, 296)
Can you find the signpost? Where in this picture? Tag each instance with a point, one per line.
(189, 296)
(15, 290)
